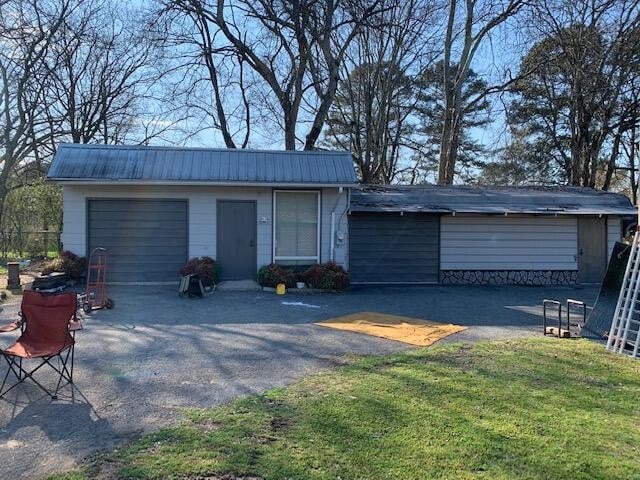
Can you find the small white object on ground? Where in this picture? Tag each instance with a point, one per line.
(299, 304)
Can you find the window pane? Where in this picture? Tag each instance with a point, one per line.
(296, 224)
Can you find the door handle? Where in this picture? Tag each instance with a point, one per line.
(252, 243)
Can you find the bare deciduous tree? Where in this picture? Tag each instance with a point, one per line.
(209, 80)
(468, 25)
(99, 78)
(28, 30)
(294, 48)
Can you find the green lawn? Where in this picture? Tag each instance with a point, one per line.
(528, 409)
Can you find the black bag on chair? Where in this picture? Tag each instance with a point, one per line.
(195, 288)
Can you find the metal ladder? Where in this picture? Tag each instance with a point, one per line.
(624, 334)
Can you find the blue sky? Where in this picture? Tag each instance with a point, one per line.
(491, 61)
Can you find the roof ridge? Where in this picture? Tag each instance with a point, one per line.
(488, 188)
(98, 146)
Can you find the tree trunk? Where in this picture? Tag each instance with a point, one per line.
(449, 146)
(611, 164)
(3, 196)
(632, 165)
(289, 131)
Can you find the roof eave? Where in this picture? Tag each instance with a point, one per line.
(548, 213)
(209, 183)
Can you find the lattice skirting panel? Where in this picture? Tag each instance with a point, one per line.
(508, 277)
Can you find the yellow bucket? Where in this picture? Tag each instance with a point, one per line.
(281, 289)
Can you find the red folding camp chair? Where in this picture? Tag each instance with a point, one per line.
(48, 324)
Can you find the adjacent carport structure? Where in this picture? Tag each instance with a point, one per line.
(469, 234)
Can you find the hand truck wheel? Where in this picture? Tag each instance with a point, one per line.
(86, 307)
(109, 303)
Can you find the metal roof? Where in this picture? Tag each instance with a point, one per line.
(490, 200)
(144, 164)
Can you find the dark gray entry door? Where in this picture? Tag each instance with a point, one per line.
(592, 249)
(236, 239)
(394, 248)
(146, 240)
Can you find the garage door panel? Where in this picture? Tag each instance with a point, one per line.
(392, 218)
(394, 256)
(133, 269)
(117, 225)
(149, 258)
(388, 229)
(146, 240)
(393, 241)
(163, 230)
(139, 275)
(393, 248)
(150, 206)
(393, 260)
(140, 241)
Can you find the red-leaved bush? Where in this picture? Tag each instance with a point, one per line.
(328, 276)
(204, 267)
(271, 275)
(69, 263)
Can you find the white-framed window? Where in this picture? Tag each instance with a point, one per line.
(296, 226)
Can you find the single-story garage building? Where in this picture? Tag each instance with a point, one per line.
(469, 234)
(153, 208)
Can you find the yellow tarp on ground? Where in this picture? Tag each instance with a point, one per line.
(403, 329)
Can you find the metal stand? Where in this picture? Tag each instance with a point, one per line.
(559, 331)
(551, 330)
(96, 292)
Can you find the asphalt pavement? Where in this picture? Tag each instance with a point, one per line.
(139, 365)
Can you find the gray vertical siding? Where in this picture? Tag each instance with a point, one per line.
(393, 248)
(614, 233)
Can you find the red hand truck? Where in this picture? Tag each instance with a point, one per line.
(95, 295)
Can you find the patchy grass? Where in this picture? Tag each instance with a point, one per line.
(528, 409)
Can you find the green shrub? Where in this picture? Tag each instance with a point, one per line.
(204, 267)
(328, 276)
(271, 275)
(69, 263)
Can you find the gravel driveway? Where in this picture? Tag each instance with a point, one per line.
(139, 365)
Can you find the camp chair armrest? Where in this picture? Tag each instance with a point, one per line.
(10, 327)
(74, 326)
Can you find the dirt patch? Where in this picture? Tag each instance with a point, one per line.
(279, 423)
(27, 275)
(210, 426)
(101, 467)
